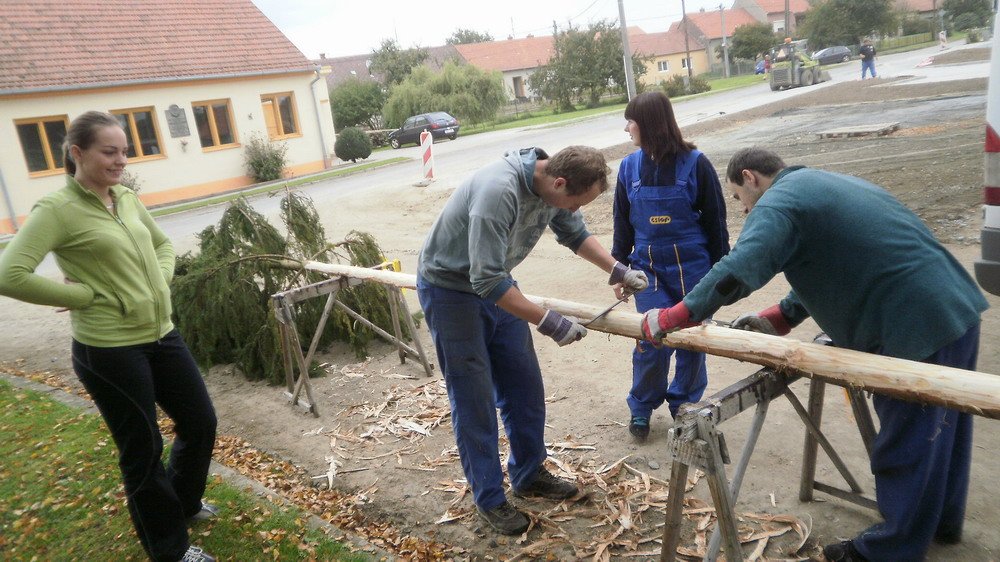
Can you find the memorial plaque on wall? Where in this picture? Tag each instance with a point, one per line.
(177, 121)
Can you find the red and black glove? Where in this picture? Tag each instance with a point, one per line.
(769, 321)
(660, 321)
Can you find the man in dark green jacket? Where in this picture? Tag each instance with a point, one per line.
(875, 279)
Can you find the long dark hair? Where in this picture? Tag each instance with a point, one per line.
(659, 134)
(82, 132)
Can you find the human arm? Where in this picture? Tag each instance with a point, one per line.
(165, 256)
(711, 206)
(775, 320)
(563, 330)
(620, 274)
(40, 234)
(623, 238)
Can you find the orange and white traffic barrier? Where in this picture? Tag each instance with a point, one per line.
(427, 149)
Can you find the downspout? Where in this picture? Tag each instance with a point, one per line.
(7, 200)
(319, 118)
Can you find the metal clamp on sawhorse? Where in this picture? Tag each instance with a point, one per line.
(696, 441)
(291, 347)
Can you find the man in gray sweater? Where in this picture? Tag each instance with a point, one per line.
(479, 318)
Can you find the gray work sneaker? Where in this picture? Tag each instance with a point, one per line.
(546, 485)
(195, 554)
(207, 511)
(505, 518)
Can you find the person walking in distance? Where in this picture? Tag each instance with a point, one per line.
(117, 265)
(670, 223)
(863, 266)
(943, 39)
(479, 318)
(867, 52)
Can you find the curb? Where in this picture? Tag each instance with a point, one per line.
(231, 476)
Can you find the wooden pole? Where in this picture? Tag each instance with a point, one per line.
(967, 391)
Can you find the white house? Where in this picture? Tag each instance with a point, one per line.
(191, 82)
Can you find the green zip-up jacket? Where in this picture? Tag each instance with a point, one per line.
(119, 267)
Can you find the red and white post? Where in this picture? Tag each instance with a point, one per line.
(427, 150)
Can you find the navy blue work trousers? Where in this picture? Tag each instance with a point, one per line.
(921, 459)
(489, 362)
(126, 384)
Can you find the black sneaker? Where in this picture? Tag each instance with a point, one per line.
(546, 485)
(207, 511)
(639, 428)
(843, 551)
(195, 554)
(505, 518)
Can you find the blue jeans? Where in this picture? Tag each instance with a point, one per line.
(920, 459)
(126, 384)
(489, 362)
(868, 66)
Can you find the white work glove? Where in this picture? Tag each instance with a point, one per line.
(562, 329)
(634, 279)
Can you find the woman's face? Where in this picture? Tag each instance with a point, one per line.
(102, 163)
(632, 128)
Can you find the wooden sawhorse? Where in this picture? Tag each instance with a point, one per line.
(291, 347)
(695, 440)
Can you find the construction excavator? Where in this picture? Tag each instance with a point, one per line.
(791, 67)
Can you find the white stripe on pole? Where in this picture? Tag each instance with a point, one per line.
(427, 149)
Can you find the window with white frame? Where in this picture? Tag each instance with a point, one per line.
(663, 66)
(686, 63)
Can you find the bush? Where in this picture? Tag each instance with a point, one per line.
(352, 143)
(974, 35)
(378, 138)
(675, 86)
(968, 20)
(264, 160)
(130, 180)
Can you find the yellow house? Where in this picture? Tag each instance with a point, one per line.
(191, 82)
(669, 55)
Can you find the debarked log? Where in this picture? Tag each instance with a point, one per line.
(968, 391)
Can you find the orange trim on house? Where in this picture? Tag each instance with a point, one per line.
(193, 192)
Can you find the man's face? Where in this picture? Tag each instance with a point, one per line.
(749, 193)
(560, 199)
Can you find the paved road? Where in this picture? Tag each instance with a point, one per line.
(454, 160)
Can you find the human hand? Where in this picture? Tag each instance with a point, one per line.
(67, 281)
(769, 321)
(564, 330)
(634, 279)
(658, 322)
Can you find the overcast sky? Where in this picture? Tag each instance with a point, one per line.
(354, 27)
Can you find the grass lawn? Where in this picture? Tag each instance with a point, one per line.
(61, 497)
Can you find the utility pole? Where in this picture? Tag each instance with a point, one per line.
(788, 20)
(629, 77)
(725, 46)
(687, 47)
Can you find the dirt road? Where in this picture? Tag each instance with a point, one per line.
(388, 430)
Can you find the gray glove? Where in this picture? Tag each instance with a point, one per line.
(634, 279)
(560, 328)
(754, 323)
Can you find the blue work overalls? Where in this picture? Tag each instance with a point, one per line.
(671, 247)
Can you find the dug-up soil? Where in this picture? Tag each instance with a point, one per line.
(383, 436)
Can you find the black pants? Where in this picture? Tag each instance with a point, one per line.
(126, 383)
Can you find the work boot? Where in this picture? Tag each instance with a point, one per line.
(639, 428)
(843, 551)
(207, 511)
(546, 485)
(505, 518)
(195, 554)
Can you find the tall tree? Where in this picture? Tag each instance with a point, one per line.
(847, 22)
(586, 64)
(393, 64)
(982, 9)
(751, 40)
(357, 102)
(465, 36)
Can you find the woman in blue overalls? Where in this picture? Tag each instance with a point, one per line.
(670, 221)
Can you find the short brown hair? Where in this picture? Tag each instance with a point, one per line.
(581, 167)
(753, 158)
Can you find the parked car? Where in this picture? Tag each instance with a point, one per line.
(439, 123)
(832, 55)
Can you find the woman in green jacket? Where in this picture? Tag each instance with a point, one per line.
(117, 265)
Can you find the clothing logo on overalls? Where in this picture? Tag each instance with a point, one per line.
(661, 219)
